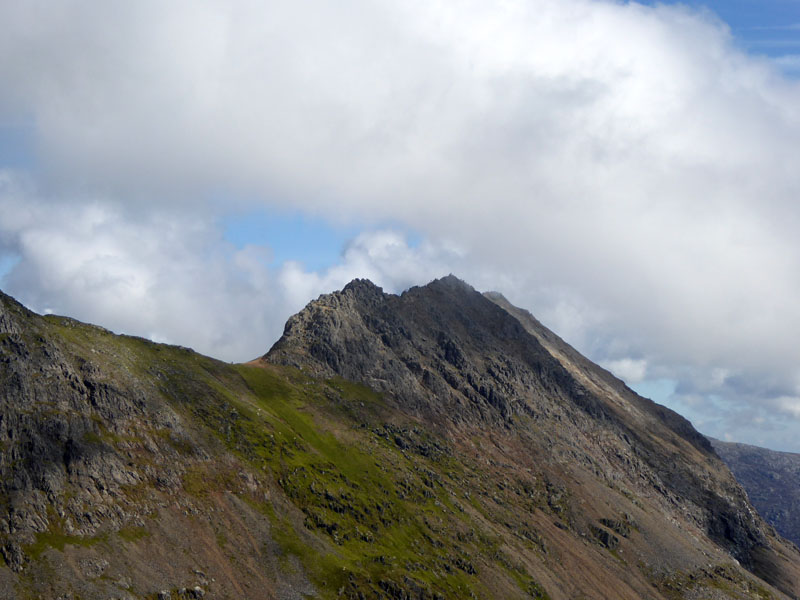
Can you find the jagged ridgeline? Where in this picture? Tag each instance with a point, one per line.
(437, 444)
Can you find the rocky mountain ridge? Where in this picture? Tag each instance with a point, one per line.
(437, 444)
(485, 362)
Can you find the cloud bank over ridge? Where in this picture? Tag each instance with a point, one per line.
(624, 171)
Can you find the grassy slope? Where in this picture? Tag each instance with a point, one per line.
(380, 505)
(391, 517)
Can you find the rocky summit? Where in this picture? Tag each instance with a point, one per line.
(437, 444)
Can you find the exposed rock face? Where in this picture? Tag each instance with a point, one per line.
(450, 355)
(7, 323)
(51, 410)
(771, 479)
(441, 349)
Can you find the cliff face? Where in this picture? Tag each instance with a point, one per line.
(772, 481)
(483, 458)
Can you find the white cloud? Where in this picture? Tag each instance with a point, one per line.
(789, 405)
(164, 275)
(384, 257)
(630, 370)
(175, 279)
(623, 171)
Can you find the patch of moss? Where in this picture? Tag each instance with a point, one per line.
(221, 539)
(181, 445)
(136, 493)
(355, 392)
(725, 578)
(57, 540)
(535, 590)
(91, 437)
(133, 533)
(199, 480)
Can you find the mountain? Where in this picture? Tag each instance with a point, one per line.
(471, 365)
(772, 481)
(437, 444)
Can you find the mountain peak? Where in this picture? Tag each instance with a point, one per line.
(363, 286)
(449, 284)
(397, 343)
(448, 355)
(451, 281)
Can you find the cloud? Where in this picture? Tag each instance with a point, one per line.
(628, 369)
(165, 275)
(383, 256)
(790, 405)
(624, 171)
(175, 279)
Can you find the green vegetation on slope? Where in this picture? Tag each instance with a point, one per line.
(391, 520)
(379, 509)
(375, 491)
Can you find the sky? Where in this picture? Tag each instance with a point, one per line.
(196, 172)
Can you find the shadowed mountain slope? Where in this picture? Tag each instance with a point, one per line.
(771, 479)
(425, 446)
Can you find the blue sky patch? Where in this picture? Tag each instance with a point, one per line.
(7, 263)
(769, 28)
(17, 145)
(314, 241)
(291, 235)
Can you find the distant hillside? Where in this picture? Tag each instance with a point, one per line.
(771, 479)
